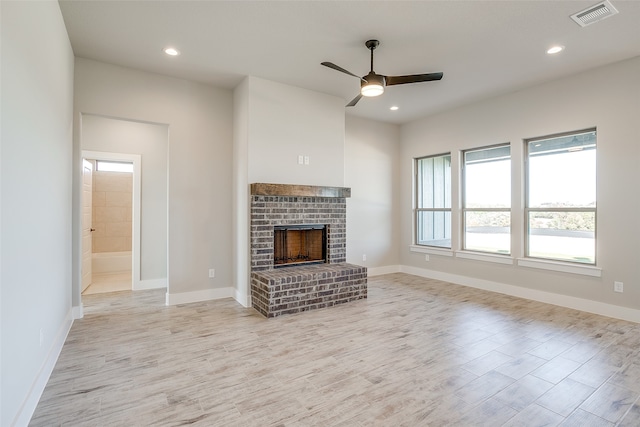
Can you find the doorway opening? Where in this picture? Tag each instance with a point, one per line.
(110, 222)
(119, 140)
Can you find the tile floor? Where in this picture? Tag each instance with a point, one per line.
(108, 282)
(417, 352)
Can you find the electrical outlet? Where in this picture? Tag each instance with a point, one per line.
(300, 160)
(364, 257)
(306, 160)
(426, 257)
(41, 337)
(618, 287)
(212, 272)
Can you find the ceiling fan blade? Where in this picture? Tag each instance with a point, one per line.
(414, 78)
(354, 101)
(342, 70)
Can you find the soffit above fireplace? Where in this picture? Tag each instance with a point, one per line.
(263, 189)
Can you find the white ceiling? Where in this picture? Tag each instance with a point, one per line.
(484, 48)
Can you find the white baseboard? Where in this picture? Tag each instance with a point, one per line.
(242, 298)
(590, 306)
(77, 312)
(37, 388)
(379, 271)
(197, 296)
(143, 285)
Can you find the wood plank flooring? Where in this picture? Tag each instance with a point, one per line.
(417, 352)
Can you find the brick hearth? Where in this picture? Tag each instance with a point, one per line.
(296, 289)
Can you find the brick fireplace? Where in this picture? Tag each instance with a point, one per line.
(301, 283)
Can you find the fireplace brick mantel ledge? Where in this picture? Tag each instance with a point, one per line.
(264, 189)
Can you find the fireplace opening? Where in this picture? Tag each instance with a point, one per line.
(299, 244)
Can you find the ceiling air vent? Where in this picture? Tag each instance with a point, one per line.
(595, 13)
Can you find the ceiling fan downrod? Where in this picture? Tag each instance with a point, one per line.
(371, 45)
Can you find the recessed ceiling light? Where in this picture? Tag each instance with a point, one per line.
(555, 49)
(394, 108)
(171, 51)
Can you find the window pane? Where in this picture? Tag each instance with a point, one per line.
(114, 166)
(566, 236)
(562, 171)
(434, 228)
(434, 182)
(488, 231)
(487, 178)
(487, 185)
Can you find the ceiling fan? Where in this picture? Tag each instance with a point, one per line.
(373, 84)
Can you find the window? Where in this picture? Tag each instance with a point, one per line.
(561, 197)
(486, 200)
(433, 201)
(105, 166)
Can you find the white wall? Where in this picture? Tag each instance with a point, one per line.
(372, 155)
(273, 125)
(241, 221)
(285, 122)
(37, 95)
(607, 98)
(150, 141)
(200, 171)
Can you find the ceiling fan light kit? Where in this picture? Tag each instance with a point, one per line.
(373, 84)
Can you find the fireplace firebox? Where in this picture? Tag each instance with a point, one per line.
(299, 244)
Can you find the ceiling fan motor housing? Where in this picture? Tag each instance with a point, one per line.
(373, 78)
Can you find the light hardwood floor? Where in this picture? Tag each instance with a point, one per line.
(417, 352)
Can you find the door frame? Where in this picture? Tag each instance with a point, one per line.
(136, 159)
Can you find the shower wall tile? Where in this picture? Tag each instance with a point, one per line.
(113, 181)
(110, 214)
(112, 211)
(99, 198)
(118, 198)
(100, 230)
(111, 244)
(118, 229)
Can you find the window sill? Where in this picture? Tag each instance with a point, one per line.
(430, 250)
(585, 270)
(499, 259)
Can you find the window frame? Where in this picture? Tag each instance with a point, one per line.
(528, 209)
(464, 209)
(417, 209)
